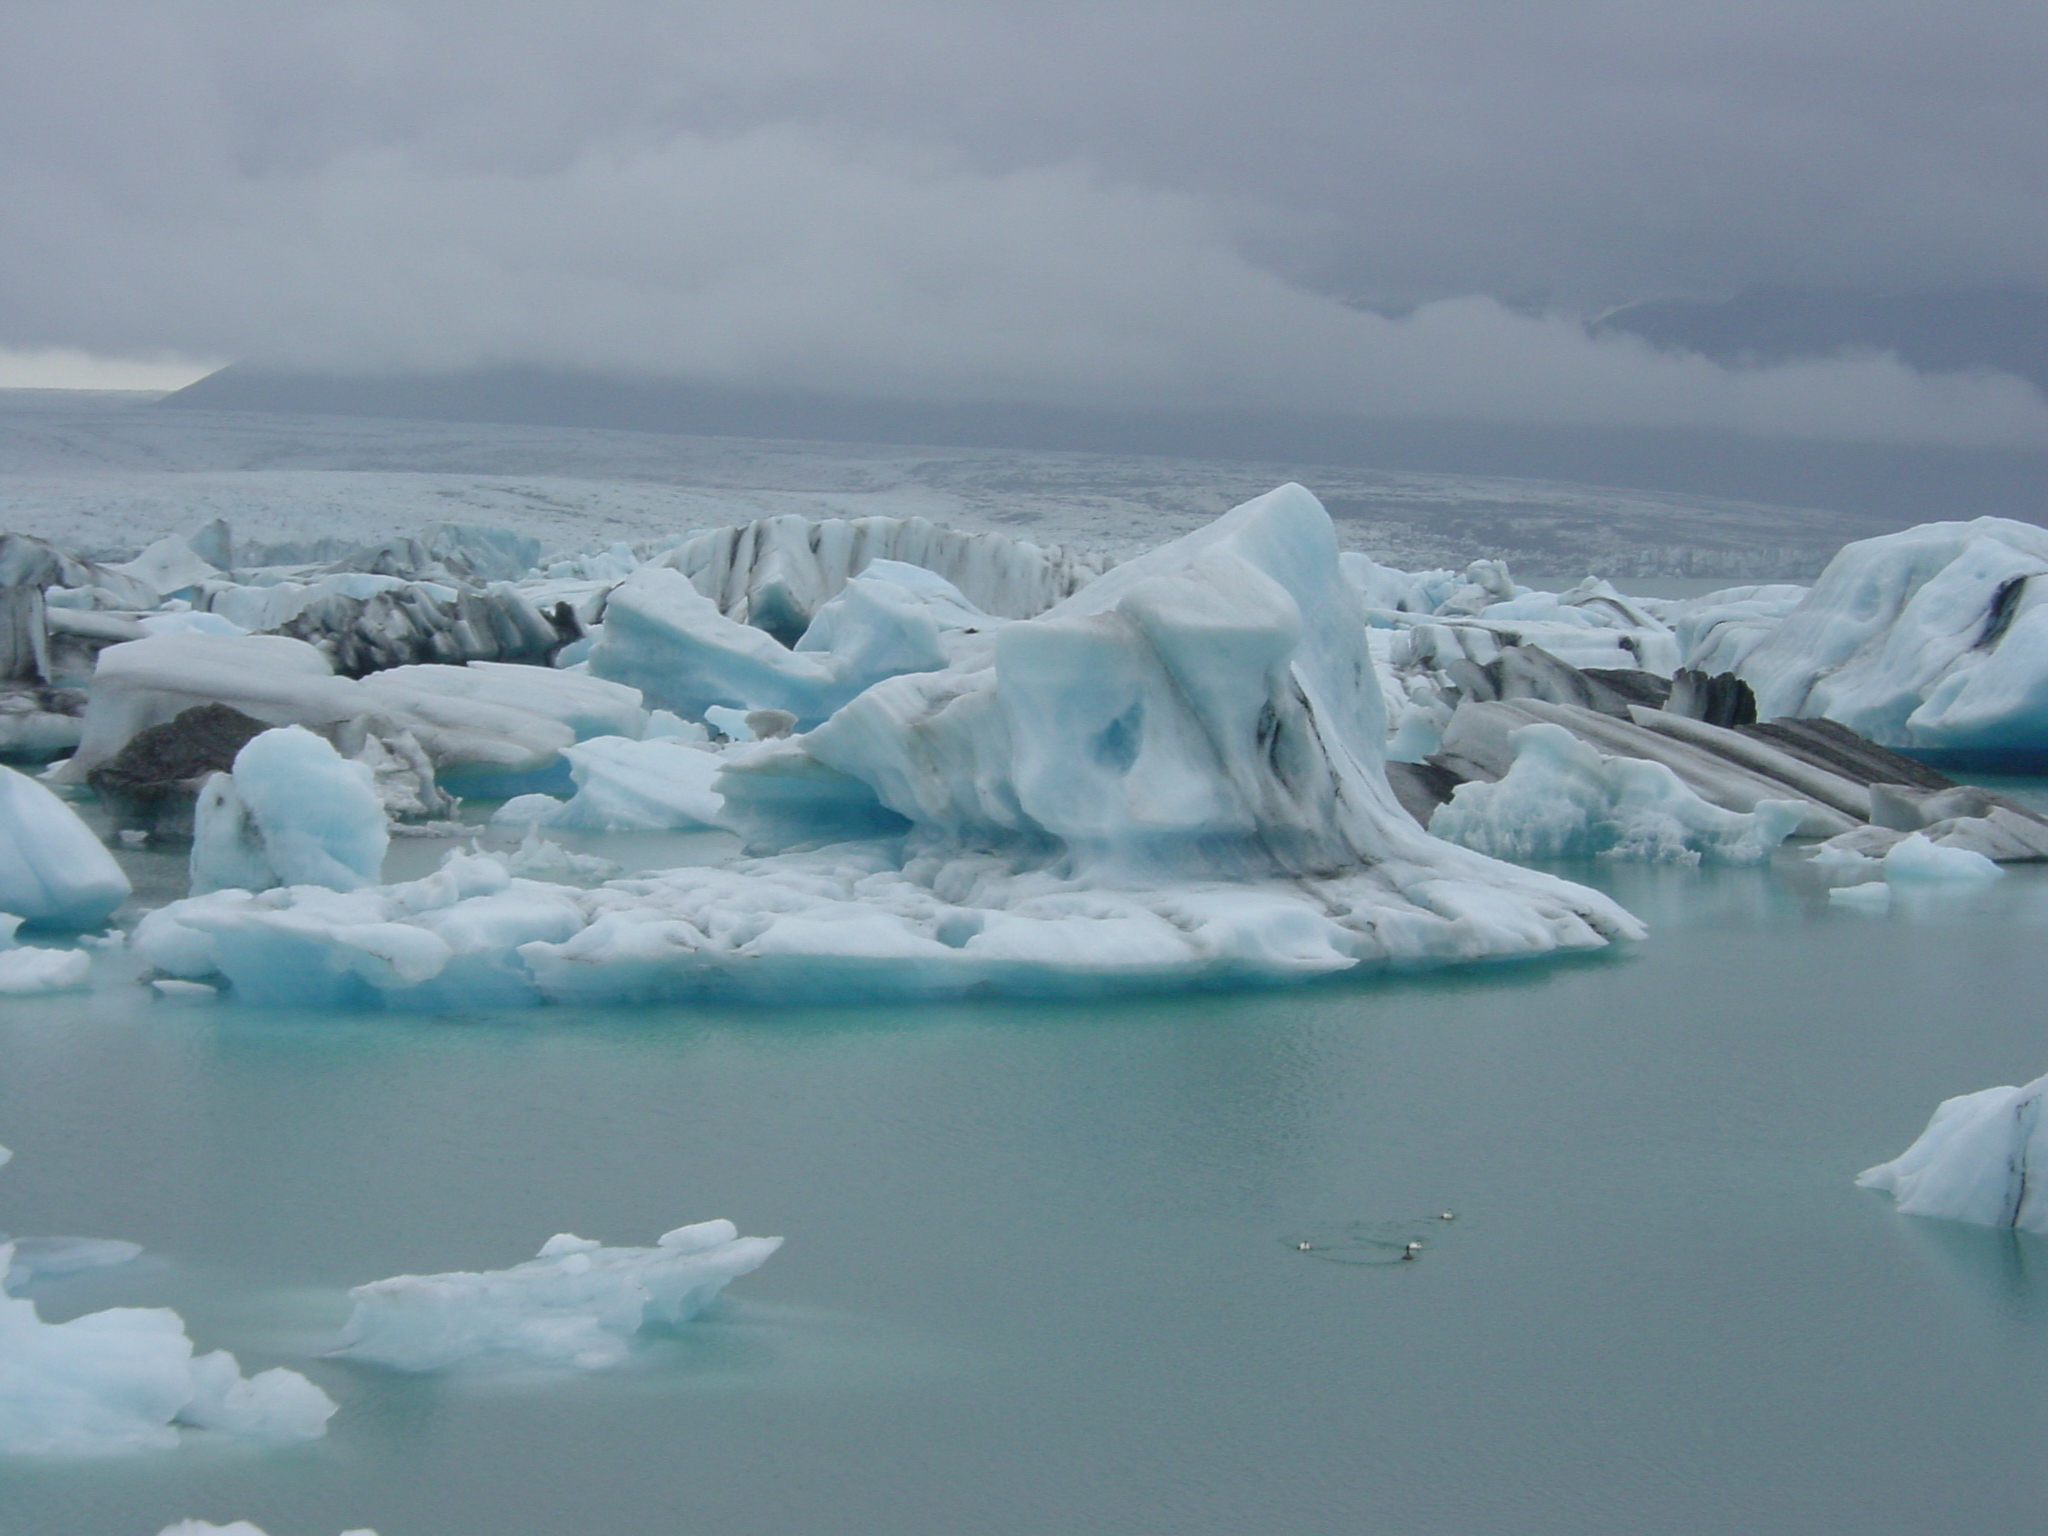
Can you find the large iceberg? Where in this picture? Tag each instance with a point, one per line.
(1975, 1161)
(1934, 639)
(579, 1303)
(53, 872)
(1175, 776)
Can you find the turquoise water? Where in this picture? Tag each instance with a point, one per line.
(1043, 1270)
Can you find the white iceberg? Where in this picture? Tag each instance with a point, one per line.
(126, 1379)
(238, 1528)
(141, 683)
(579, 1303)
(637, 786)
(776, 573)
(293, 812)
(671, 642)
(30, 971)
(1975, 1161)
(1174, 777)
(1916, 858)
(1562, 799)
(1934, 639)
(53, 871)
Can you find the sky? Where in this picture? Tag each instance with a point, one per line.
(1383, 210)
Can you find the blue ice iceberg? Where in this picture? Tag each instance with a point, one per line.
(1173, 777)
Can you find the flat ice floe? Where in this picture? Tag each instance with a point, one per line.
(1173, 776)
(579, 1303)
(1976, 1161)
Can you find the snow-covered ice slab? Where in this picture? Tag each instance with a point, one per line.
(579, 1303)
(1975, 1162)
(1562, 799)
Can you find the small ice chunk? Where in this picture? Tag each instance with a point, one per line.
(239, 1528)
(1914, 858)
(126, 1379)
(527, 811)
(1870, 896)
(578, 1303)
(31, 972)
(190, 991)
(37, 1258)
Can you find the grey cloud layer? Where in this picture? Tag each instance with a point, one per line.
(1107, 203)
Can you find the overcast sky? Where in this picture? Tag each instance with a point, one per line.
(1095, 203)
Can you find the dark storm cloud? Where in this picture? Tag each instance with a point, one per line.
(1097, 203)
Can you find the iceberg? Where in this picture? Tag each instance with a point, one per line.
(141, 683)
(293, 812)
(126, 1379)
(1934, 639)
(1174, 777)
(1974, 1162)
(1915, 858)
(672, 643)
(53, 872)
(579, 1303)
(30, 971)
(1561, 799)
(776, 573)
(638, 786)
(238, 1528)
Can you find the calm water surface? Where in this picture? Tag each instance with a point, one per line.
(1043, 1271)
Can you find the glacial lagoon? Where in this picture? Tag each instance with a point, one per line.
(1044, 1266)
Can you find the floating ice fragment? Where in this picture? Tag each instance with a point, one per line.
(239, 1528)
(31, 972)
(1974, 1162)
(577, 1303)
(53, 871)
(1869, 896)
(126, 1378)
(1913, 858)
(1560, 798)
